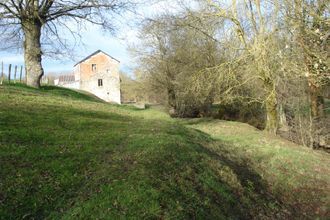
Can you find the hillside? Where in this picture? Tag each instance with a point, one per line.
(65, 154)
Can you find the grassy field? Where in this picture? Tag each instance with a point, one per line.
(67, 155)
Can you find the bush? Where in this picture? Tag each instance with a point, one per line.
(251, 113)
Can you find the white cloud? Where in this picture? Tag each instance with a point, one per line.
(8, 58)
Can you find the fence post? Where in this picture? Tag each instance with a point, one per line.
(9, 72)
(25, 71)
(20, 75)
(2, 74)
(15, 74)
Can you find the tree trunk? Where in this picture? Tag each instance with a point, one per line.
(271, 113)
(283, 124)
(32, 53)
(171, 102)
(317, 101)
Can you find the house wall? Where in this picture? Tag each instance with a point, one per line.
(107, 69)
(72, 85)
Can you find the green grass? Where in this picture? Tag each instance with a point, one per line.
(68, 155)
(299, 177)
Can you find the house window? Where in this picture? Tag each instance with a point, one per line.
(100, 82)
(94, 67)
(108, 71)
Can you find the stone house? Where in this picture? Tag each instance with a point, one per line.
(98, 74)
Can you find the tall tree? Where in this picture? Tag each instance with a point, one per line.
(255, 24)
(310, 27)
(174, 50)
(28, 20)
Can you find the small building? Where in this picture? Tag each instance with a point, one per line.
(98, 74)
(67, 81)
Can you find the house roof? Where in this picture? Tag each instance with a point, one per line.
(96, 52)
(66, 78)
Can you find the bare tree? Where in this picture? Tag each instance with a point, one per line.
(310, 28)
(28, 20)
(174, 50)
(255, 24)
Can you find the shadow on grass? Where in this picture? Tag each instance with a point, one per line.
(59, 161)
(256, 197)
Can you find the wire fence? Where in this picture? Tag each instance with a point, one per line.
(12, 74)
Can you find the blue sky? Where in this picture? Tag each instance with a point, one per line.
(95, 39)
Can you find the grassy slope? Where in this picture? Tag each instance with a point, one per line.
(299, 177)
(67, 155)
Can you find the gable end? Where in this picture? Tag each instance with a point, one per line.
(96, 52)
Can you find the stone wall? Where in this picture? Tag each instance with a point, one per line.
(107, 69)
